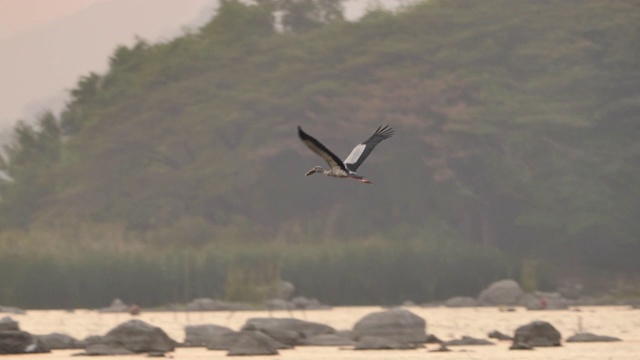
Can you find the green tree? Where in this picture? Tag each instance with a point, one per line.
(236, 21)
(28, 168)
(304, 15)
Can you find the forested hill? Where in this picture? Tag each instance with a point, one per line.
(517, 127)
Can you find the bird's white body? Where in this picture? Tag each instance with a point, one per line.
(334, 172)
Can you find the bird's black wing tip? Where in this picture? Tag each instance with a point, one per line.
(385, 131)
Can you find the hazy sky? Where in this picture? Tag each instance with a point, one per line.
(20, 15)
(46, 45)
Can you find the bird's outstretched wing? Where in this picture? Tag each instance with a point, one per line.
(316, 146)
(361, 151)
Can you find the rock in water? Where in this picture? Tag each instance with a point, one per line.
(589, 337)
(537, 333)
(204, 335)
(503, 292)
(20, 342)
(495, 334)
(461, 301)
(396, 324)
(432, 339)
(207, 304)
(468, 340)
(442, 348)
(380, 343)
(327, 340)
(105, 350)
(117, 305)
(544, 301)
(521, 346)
(138, 336)
(223, 342)
(8, 324)
(60, 341)
(11, 310)
(252, 343)
(287, 330)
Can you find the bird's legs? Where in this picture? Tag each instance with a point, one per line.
(361, 179)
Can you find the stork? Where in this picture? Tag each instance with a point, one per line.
(348, 167)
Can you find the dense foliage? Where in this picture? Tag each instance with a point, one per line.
(517, 127)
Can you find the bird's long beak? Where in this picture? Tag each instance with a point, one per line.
(311, 172)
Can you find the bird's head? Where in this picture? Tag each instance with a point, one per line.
(315, 170)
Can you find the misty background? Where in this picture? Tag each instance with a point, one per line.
(47, 46)
(172, 170)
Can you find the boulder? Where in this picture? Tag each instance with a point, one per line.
(134, 309)
(304, 329)
(20, 342)
(117, 305)
(202, 335)
(468, 340)
(282, 290)
(442, 348)
(252, 343)
(222, 342)
(552, 300)
(56, 341)
(327, 340)
(138, 336)
(495, 334)
(207, 304)
(92, 339)
(278, 304)
(8, 324)
(298, 302)
(11, 310)
(289, 338)
(461, 301)
(432, 304)
(381, 343)
(396, 324)
(301, 302)
(226, 341)
(520, 346)
(432, 339)
(571, 289)
(544, 301)
(537, 333)
(503, 292)
(589, 337)
(156, 354)
(105, 350)
(530, 302)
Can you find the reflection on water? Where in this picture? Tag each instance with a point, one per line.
(446, 323)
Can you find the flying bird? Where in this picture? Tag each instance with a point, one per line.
(348, 167)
